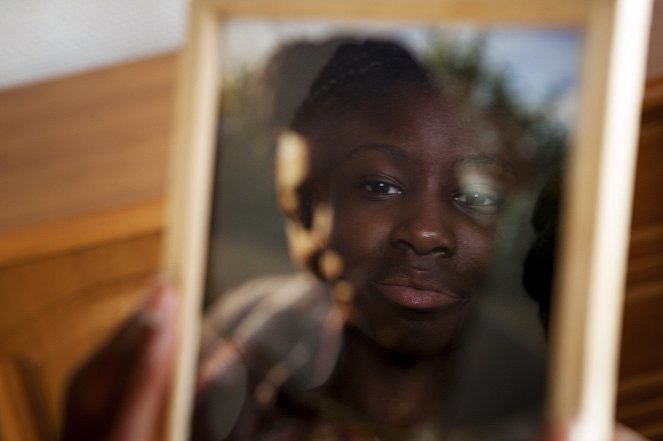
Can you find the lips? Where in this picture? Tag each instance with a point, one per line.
(416, 291)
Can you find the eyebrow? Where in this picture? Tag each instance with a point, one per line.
(400, 154)
(484, 159)
(387, 149)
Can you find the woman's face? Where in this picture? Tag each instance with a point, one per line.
(415, 199)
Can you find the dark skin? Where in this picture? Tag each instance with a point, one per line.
(416, 201)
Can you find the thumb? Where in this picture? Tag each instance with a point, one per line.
(142, 404)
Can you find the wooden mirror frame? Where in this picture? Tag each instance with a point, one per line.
(589, 282)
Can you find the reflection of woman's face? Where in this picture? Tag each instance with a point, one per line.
(415, 207)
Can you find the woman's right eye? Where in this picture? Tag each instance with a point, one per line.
(381, 188)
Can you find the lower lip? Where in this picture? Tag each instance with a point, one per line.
(412, 298)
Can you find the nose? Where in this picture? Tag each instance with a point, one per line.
(424, 228)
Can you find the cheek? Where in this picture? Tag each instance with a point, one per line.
(358, 235)
(475, 247)
(356, 238)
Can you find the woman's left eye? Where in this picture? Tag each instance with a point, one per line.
(484, 199)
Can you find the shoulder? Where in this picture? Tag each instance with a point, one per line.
(270, 312)
(268, 294)
(265, 335)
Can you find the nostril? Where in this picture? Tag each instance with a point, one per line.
(441, 250)
(422, 249)
(405, 244)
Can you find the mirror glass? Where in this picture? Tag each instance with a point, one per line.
(383, 229)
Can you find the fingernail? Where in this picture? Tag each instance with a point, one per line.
(152, 316)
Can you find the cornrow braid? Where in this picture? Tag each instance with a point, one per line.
(357, 72)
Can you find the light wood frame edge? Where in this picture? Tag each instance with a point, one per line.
(585, 335)
(189, 198)
(590, 281)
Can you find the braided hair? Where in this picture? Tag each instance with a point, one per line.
(358, 73)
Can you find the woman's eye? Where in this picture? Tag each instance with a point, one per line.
(381, 188)
(480, 198)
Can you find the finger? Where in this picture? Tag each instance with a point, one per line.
(101, 385)
(140, 408)
(623, 433)
(98, 381)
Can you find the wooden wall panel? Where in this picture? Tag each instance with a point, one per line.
(30, 288)
(82, 170)
(640, 392)
(86, 143)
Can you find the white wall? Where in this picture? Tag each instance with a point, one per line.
(42, 39)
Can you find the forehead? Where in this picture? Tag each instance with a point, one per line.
(416, 119)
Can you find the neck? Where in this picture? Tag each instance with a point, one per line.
(389, 389)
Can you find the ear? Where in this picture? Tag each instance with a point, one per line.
(293, 177)
(312, 193)
(308, 226)
(308, 234)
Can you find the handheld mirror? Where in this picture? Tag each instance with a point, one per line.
(429, 166)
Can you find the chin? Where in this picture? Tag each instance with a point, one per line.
(413, 334)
